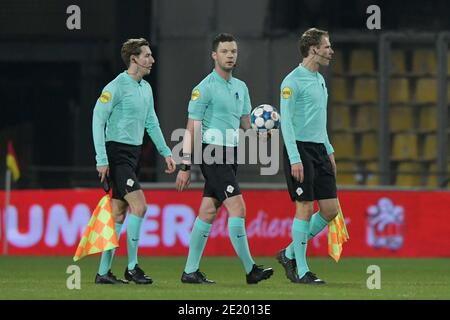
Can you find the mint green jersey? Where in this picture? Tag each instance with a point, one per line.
(126, 108)
(303, 104)
(220, 104)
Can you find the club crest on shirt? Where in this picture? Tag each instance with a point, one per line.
(286, 92)
(195, 94)
(105, 97)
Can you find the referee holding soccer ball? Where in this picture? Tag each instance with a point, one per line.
(219, 105)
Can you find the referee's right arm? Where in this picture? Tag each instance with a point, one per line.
(101, 113)
(287, 105)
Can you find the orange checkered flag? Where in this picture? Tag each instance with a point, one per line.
(337, 235)
(100, 234)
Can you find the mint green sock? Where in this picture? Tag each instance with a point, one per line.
(133, 231)
(197, 243)
(290, 254)
(316, 225)
(238, 237)
(107, 256)
(300, 229)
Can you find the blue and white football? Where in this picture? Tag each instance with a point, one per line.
(265, 117)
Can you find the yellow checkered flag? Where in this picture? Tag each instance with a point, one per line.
(100, 234)
(337, 234)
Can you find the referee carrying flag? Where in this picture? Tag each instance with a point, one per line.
(100, 234)
(337, 235)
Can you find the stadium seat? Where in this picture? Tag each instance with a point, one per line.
(372, 173)
(365, 90)
(430, 147)
(339, 90)
(404, 146)
(398, 90)
(346, 173)
(424, 62)
(369, 146)
(344, 145)
(341, 118)
(408, 174)
(401, 118)
(398, 65)
(426, 91)
(362, 62)
(432, 176)
(428, 119)
(448, 62)
(367, 118)
(338, 63)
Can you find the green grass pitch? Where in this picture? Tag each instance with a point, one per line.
(45, 278)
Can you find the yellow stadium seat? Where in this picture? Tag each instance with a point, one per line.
(426, 91)
(344, 145)
(369, 146)
(404, 146)
(430, 147)
(339, 89)
(399, 90)
(372, 174)
(408, 174)
(424, 61)
(362, 62)
(338, 63)
(428, 118)
(401, 118)
(365, 90)
(367, 118)
(432, 176)
(448, 62)
(346, 173)
(341, 118)
(398, 65)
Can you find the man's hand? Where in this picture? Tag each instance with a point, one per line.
(333, 164)
(103, 171)
(183, 179)
(171, 165)
(297, 171)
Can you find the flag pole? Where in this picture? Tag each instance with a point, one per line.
(5, 212)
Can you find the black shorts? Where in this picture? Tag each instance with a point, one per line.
(220, 178)
(123, 168)
(319, 181)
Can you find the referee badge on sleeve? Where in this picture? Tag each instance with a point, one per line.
(286, 92)
(105, 97)
(195, 94)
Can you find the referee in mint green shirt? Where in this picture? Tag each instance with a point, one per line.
(309, 163)
(123, 111)
(219, 105)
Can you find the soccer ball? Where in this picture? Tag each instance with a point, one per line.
(265, 117)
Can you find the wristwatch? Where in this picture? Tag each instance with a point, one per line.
(185, 167)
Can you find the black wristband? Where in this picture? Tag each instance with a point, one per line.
(185, 167)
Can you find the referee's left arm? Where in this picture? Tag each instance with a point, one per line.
(245, 117)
